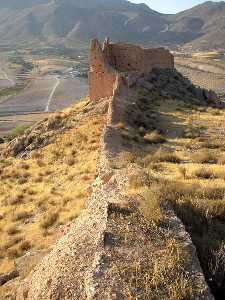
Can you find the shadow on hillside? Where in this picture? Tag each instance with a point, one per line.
(165, 108)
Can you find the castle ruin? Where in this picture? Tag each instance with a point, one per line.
(98, 254)
(107, 62)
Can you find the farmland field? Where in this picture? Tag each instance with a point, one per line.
(204, 72)
(31, 86)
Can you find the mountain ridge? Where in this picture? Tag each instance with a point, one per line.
(67, 22)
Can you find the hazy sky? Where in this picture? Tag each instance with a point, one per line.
(170, 6)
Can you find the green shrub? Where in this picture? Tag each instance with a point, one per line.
(17, 131)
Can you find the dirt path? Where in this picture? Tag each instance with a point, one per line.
(52, 94)
(12, 82)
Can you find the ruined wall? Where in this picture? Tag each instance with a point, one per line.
(85, 263)
(102, 77)
(106, 63)
(125, 57)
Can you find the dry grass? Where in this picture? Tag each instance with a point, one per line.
(126, 158)
(204, 173)
(48, 219)
(120, 125)
(150, 204)
(165, 156)
(154, 138)
(33, 191)
(12, 230)
(194, 185)
(205, 157)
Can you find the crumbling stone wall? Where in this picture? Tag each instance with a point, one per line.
(102, 77)
(108, 62)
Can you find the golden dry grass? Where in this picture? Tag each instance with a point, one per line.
(194, 183)
(48, 189)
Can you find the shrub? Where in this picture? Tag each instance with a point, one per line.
(25, 245)
(150, 205)
(154, 138)
(213, 193)
(17, 131)
(38, 179)
(204, 173)
(137, 181)
(163, 156)
(22, 180)
(21, 215)
(204, 156)
(12, 241)
(192, 133)
(157, 167)
(14, 252)
(36, 154)
(24, 166)
(221, 160)
(17, 199)
(183, 172)
(120, 125)
(127, 157)
(40, 163)
(70, 161)
(48, 219)
(211, 144)
(12, 230)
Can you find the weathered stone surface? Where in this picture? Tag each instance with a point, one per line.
(106, 63)
(126, 57)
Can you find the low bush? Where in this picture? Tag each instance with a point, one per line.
(12, 230)
(17, 131)
(204, 157)
(163, 156)
(48, 219)
(154, 138)
(204, 173)
(21, 215)
(16, 199)
(150, 204)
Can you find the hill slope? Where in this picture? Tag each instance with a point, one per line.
(68, 22)
(205, 23)
(145, 150)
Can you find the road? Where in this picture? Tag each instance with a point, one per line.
(45, 94)
(12, 82)
(52, 94)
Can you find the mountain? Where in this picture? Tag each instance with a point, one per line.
(67, 22)
(204, 23)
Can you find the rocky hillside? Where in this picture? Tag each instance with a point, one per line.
(71, 22)
(203, 25)
(45, 176)
(105, 254)
(137, 204)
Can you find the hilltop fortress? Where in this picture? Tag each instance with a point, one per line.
(107, 62)
(111, 249)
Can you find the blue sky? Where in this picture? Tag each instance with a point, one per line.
(170, 6)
